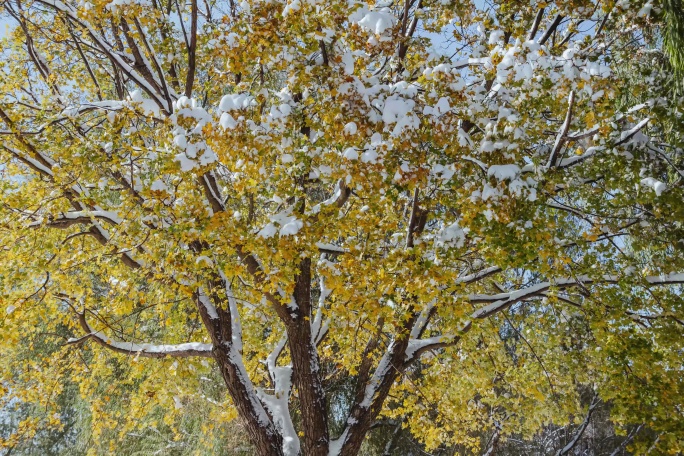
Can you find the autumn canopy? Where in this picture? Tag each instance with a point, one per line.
(459, 219)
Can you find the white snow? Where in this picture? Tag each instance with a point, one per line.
(348, 63)
(350, 128)
(186, 163)
(150, 348)
(204, 259)
(452, 234)
(378, 21)
(330, 247)
(277, 403)
(227, 121)
(657, 186)
(335, 446)
(158, 185)
(503, 172)
(416, 344)
(422, 319)
(268, 231)
(208, 305)
(291, 227)
(378, 375)
(351, 154)
(234, 102)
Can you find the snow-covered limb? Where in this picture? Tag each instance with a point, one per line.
(212, 192)
(479, 275)
(68, 219)
(423, 319)
(340, 195)
(567, 448)
(146, 350)
(235, 324)
(362, 410)
(493, 441)
(206, 303)
(420, 345)
(380, 372)
(277, 403)
(272, 358)
(325, 247)
(318, 328)
(592, 151)
(38, 166)
(479, 163)
(229, 360)
(627, 135)
(501, 301)
(96, 230)
(372, 390)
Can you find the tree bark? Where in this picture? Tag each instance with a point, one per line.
(306, 370)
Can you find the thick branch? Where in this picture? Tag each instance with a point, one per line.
(365, 411)
(552, 28)
(307, 376)
(535, 25)
(192, 49)
(222, 327)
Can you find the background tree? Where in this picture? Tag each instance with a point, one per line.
(427, 212)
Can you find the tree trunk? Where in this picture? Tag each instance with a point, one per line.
(306, 370)
(262, 434)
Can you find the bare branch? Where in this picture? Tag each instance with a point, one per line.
(552, 28)
(192, 49)
(535, 25)
(560, 139)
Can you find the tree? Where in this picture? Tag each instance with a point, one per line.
(435, 206)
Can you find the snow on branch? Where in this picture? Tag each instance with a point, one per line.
(277, 404)
(567, 448)
(479, 275)
(319, 328)
(235, 324)
(501, 301)
(68, 219)
(146, 350)
(38, 166)
(625, 136)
